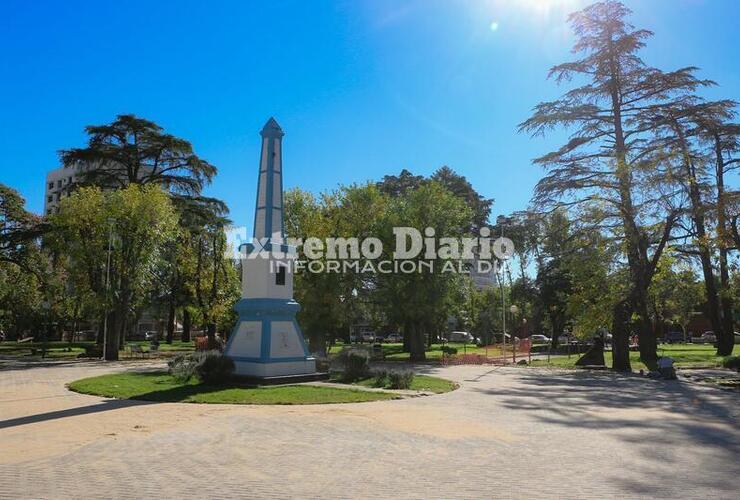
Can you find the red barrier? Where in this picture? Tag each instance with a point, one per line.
(201, 343)
(495, 354)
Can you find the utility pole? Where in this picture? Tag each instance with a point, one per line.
(107, 287)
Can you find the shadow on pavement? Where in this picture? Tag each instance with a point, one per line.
(702, 420)
(107, 405)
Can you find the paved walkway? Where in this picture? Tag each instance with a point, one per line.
(507, 432)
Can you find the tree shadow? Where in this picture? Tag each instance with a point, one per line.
(702, 419)
(103, 406)
(168, 395)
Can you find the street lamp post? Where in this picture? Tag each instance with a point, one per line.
(501, 220)
(107, 288)
(514, 310)
(503, 310)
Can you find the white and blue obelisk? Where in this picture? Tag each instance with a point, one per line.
(267, 341)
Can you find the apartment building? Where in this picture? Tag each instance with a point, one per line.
(58, 183)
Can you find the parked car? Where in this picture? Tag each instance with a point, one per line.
(394, 338)
(464, 337)
(737, 338)
(367, 337)
(706, 338)
(673, 337)
(571, 339)
(151, 335)
(540, 339)
(84, 335)
(499, 338)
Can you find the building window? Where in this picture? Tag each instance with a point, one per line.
(280, 275)
(59, 183)
(49, 199)
(51, 185)
(69, 180)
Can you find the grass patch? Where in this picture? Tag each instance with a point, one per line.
(67, 350)
(394, 352)
(161, 387)
(54, 350)
(685, 356)
(420, 383)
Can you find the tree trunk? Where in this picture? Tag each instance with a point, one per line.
(697, 217)
(407, 336)
(112, 336)
(416, 344)
(620, 337)
(725, 342)
(211, 332)
(711, 288)
(186, 325)
(636, 243)
(317, 342)
(171, 322)
(557, 327)
(101, 326)
(648, 342)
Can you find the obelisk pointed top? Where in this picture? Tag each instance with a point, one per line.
(272, 129)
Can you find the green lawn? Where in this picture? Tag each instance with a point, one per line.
(66, 350)
(421, 383)
(54, 350)
(161, 387)
(394, 352)
(685, 355)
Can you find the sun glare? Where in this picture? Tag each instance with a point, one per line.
(545, 7)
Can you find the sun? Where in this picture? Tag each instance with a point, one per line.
(539, 11)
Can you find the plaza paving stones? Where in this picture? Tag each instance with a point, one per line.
(506, 433)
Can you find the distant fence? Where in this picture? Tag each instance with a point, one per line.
(494, 354)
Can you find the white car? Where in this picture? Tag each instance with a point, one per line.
(706, 338)
(394, 338)
(460, 337)
(540, 339)
(367, 337)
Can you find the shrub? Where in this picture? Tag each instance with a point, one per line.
(400, 379)
(732, 362)
(356, 364)
(212, 367)
(450, 351)
(381, 377)
(181, 367)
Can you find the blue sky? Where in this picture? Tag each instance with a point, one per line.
(362, 89)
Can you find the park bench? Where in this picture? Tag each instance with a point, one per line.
(136, 349)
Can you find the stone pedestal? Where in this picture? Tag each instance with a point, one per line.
(267, 341)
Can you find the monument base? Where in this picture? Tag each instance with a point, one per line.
(273, 368)
(267, 341)
(281, 379)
